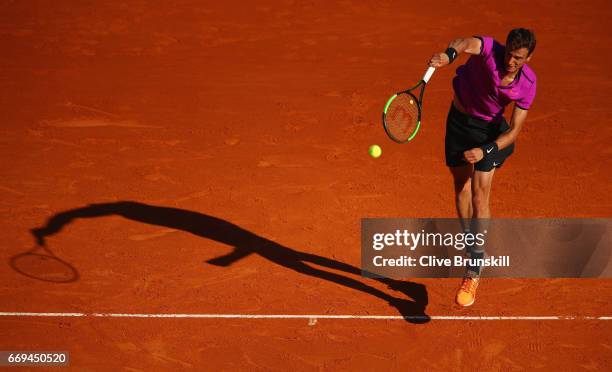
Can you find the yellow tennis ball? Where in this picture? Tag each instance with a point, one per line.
(375, 151)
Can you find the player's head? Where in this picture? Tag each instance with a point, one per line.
(520, 44)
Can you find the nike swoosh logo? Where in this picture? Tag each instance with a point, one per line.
(495, 164)
(489, 150)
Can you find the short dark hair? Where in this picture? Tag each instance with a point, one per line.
(521, 38)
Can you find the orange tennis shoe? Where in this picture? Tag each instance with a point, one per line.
(466, 295)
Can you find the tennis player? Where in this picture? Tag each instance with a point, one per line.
(478, 137)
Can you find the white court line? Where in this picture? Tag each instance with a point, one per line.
(305, 316)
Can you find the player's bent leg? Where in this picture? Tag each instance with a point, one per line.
(481, 192)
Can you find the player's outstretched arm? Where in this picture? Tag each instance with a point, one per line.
(469, 45)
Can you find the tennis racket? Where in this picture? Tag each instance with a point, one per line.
(402, 114)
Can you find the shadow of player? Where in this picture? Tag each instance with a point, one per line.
(245, 243)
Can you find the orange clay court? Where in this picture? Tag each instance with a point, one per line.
(161, 135)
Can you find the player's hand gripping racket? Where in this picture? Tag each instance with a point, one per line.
(402, 113)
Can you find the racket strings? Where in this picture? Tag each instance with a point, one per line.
(402, 117)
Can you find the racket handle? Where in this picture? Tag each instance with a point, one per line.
(428, 74)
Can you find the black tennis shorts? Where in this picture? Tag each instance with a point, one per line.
(464, 132)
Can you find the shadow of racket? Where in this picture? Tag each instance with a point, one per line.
(42, 264)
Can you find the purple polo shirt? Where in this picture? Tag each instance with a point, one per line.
(477, 84)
